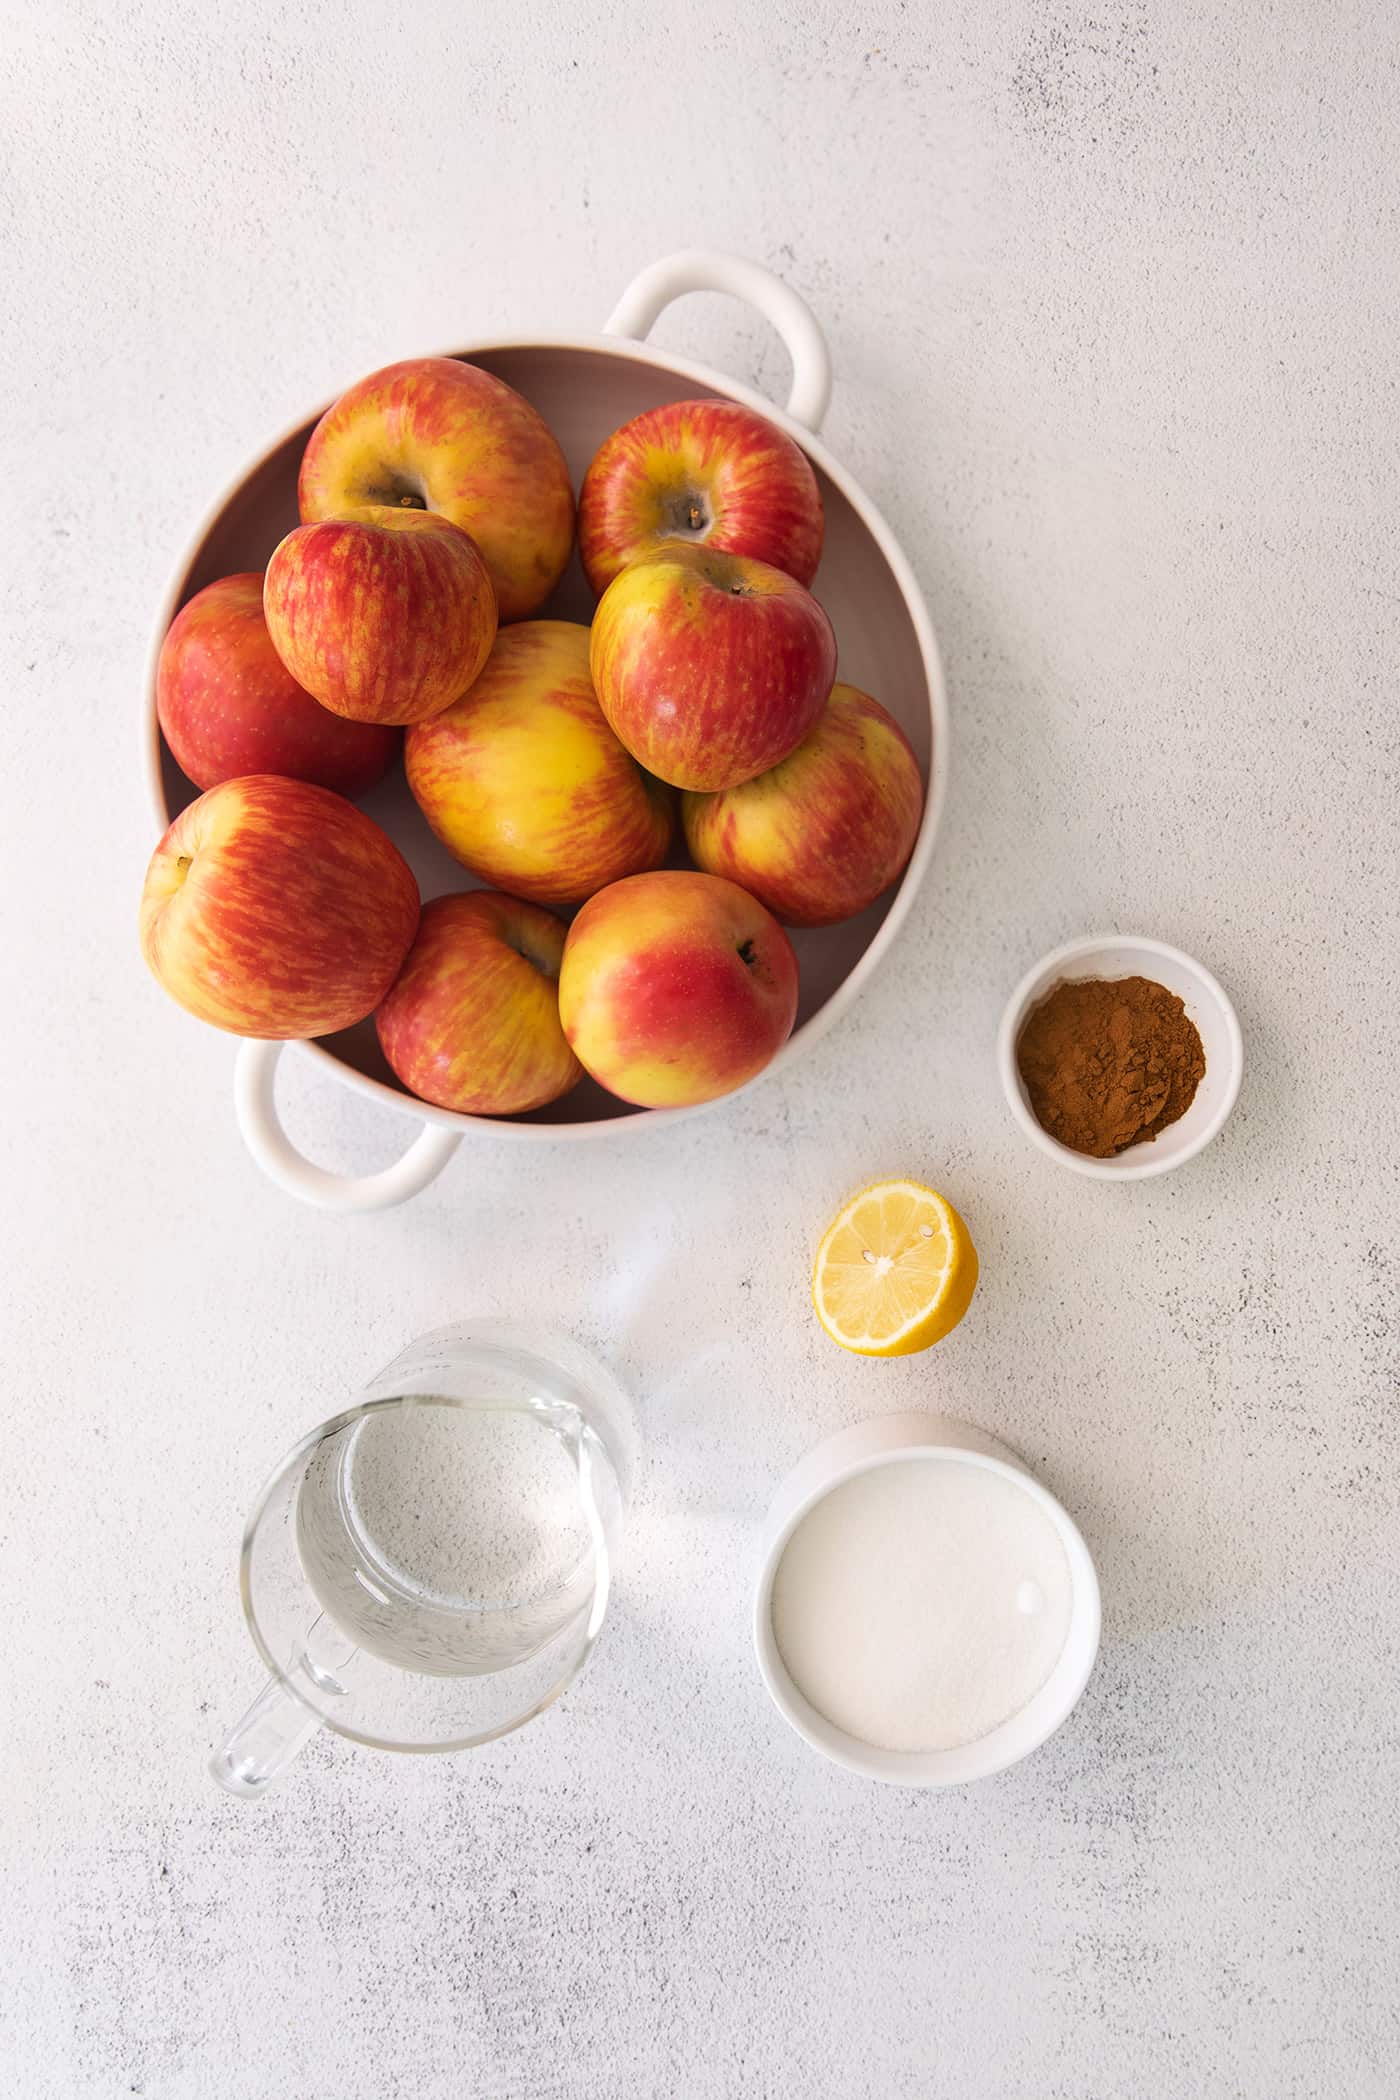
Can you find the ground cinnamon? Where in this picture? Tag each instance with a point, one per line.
(1109, 1063)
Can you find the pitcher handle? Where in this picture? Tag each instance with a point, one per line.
(254, 1096)
(258, 1749)
(706, 270)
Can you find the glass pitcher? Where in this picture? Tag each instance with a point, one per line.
(431, 1569)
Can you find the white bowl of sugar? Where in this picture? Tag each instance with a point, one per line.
(927, 1613)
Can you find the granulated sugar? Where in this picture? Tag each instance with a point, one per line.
(922, 1603)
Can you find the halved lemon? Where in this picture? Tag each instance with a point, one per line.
(895, 1271)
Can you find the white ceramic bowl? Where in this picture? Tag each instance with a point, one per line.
(899, 1440)
(585, 387)
(1206, 1002)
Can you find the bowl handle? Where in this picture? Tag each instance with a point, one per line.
(705, 270)
(254, 1098)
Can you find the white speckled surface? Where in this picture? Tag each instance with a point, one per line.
(1111, 294)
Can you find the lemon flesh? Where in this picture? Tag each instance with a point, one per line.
(895, 1270)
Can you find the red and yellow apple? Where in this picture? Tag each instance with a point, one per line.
(704, 471)
(229, 706)
(676, 988)
(709, 667)
(384, 617)
(828, 830)
(472, 1022)
(274, 908)
(524, 782)
(435, 434)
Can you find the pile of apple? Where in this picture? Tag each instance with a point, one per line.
(437, 517)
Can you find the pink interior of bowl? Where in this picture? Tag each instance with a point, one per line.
(584, 395)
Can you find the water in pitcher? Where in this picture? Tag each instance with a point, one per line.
(455, 1538)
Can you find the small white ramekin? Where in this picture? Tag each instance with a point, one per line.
(1206, 1002)
(912, 1439)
